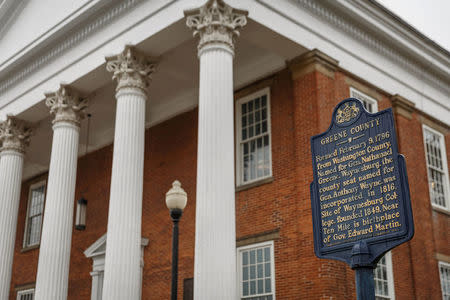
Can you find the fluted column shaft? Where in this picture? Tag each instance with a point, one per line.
(54, 254)
(216, 24)
(123, 251)
(11, 166)
(215, 233)
(122, 264)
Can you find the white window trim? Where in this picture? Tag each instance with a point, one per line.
(441, 263)
(98, 263)
(372, 101)
(272, 264)
(445, 164)
(24, 292)
(238, 109)
(390, 275)
(25, 235)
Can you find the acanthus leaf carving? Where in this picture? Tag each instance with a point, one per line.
(216, 22)
(14, 134)
(131, 69)
(67, 105)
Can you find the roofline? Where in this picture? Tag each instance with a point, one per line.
(408, 26)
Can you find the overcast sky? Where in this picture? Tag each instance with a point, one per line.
(431, 17)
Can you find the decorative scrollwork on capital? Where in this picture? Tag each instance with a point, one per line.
(131, 69)
(67, 105)
(14, 134)
(216, 22)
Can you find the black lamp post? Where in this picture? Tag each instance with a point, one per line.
(176, 199)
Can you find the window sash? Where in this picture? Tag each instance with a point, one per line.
(384, 278)
(444, 275)
(435, 154)
(35, 211)
(370, 104)
(25, 294)
(256, 271)
(253, 165)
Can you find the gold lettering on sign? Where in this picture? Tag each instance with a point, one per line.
(357, 181)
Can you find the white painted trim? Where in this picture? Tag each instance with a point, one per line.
(390, 275)
(445, 167)
(239, 168)
(369, 99)
(320, 24)
(25, 235)
(446, 265)
(98, 262)
(272, 264)
(24, 292)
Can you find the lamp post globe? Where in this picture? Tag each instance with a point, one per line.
(176, 200)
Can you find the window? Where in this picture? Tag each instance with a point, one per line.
(97, 252)
(384, 278)
(256, 271)
(27, 294)
(254, 161)
(33, 223)
(444, 271)
(437, 167)
(370, 104)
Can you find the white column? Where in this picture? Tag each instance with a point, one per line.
(123, 243)
(215, 236)
(54, 254)
(14, 136)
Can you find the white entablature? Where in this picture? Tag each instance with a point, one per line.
(76, 39)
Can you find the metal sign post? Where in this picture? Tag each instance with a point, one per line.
(360, 195)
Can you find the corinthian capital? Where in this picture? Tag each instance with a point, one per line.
(216, 22)
(131, 69)
(14, 134)
(66, 104)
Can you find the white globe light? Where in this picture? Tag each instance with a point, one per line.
(176, 197)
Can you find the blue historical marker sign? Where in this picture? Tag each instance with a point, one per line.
(360, 195)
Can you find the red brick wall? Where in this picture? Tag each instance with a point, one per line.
(300, 108)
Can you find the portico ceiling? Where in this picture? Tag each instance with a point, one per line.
(174, 87)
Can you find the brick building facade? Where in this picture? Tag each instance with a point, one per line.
(272, 209)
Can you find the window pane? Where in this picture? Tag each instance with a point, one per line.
(438, 180)
(259, 255)
(260, 286)
(252, 287)
(245, 258)
(255, 138)
(252, 257)
(267, 254)
(245, 289)
(244, 108)
(245, 273)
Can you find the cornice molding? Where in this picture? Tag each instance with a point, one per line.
(323, 10)
(64, 42)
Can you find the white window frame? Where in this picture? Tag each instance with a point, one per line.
(272, 266)
(445, 265)
(27, 217)
(445, 169)
(97, 252)
(390, 278)
(239, 158)
(25, 293)
(354, 94)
